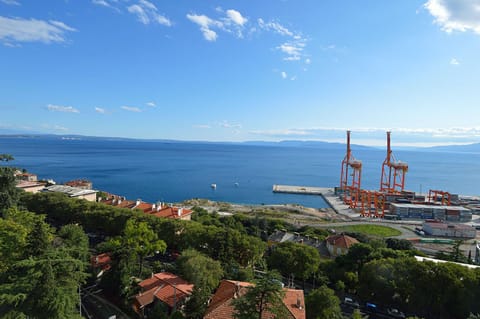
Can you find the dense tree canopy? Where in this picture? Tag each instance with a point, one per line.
(323, 303)
(293, 258)
(39, 275)
(265, 297)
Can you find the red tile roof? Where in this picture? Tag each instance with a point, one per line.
(167, 287)
(342, 241)
(221, 304)
(295, 302)
(152, 209)
(172, 212)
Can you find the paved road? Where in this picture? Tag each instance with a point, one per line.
(95, 307)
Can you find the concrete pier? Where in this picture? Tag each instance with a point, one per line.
(327, 193)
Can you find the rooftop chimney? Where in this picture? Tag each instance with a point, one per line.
(299, 303)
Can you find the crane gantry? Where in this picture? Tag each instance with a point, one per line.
(350, 177)
(393, 173)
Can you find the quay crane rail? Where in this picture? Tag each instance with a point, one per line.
(350, 177)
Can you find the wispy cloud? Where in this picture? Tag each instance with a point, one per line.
(230, 21)
(227, 124)
(284, 74)
(455, 15)
(107, 3)
(275, 27)
(151, 104)
(202, 126)
(131, 109)
(454, 61)
(11, 2)
(23, 30)
(100, 110)
(147, 13)
(54, 127)
(60, 108)
(294, 47)
(206, 24)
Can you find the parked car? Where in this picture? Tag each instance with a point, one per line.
(371, 307)
(395, 313)
(351, 303)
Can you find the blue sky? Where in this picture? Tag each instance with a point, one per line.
(243, 69)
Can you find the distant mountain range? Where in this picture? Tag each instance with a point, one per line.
(469, 148)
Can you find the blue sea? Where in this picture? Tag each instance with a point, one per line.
(176, 171)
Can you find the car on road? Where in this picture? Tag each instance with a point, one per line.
(395, 313)
(351, 303)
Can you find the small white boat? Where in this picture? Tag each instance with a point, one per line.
(213, 186)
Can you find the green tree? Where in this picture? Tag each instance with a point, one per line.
(9, 194)
(13, 239)
(40, 281)
(139, 239)
(293, 258)
(265, 297)
(205, 273)
(323, 303)
(74, 239)
(199, 269)
(356, 314)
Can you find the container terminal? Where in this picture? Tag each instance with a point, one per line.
(391, 201)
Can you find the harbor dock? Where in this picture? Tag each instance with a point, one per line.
(327, 193)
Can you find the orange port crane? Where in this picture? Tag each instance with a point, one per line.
(372, 204)
(393, 172)
(350, 178)
(443, 197)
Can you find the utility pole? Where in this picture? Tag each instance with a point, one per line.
(80, 298)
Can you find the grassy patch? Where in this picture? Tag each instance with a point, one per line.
(371, 230)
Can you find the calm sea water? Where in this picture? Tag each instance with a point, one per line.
(173, 172)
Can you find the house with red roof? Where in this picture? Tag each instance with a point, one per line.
(159, 209)
(339, 244)
(169, 289)
(221, 305)
(101, 263)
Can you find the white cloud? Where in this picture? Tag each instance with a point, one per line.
(147, 13)
(151, 104)
(308, 61)
(455, 15)
(131, 109)
(106, 3)
(54, 127)
(227, 124)
(294, 47)
(275, 27)
(236, 17)
(205, 24)
(203, 126)
(232, 22)
(284, 75)
(100, 110)
(11, 2)
(293, 50)
(60, 108)
(454, 61)
(23, 30)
